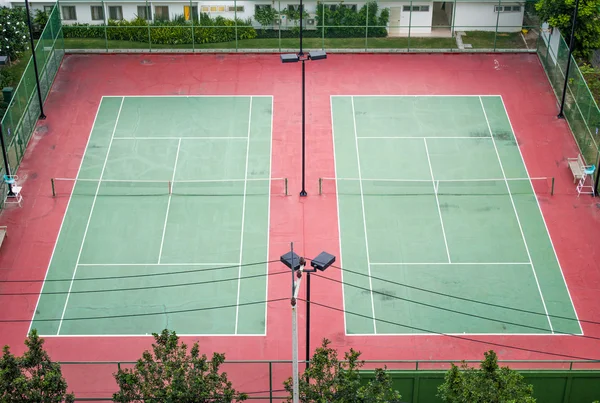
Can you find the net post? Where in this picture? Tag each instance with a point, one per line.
(285, 184)
(52, 182)
(170, 187)
(320, 186)
(552, 187)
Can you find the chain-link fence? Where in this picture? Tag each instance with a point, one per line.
(231, 25)
(23, 110)
(580, 109)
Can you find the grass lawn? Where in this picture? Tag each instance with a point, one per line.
(275, 43)
(485, 40)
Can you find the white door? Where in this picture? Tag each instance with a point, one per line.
(395, 13)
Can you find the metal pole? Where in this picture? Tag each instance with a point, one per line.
(303, 191)
(6, 167)
(308, 276)
(571, 46)
(301, 15)
(35, 68)
(597, 179)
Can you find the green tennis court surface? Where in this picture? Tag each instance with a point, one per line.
(172, 193)
(433, 193)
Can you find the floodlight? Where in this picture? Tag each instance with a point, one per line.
(291, 260)
(323, 261)
(289, 58)
(317, 55)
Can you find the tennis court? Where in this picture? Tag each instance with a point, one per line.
(171, 199)
(433, 194)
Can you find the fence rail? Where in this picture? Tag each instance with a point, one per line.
(263, 379)
(376, 26)
(23, 110)
(581, 110)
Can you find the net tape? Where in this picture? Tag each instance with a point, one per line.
(468, 187)
(108, 187)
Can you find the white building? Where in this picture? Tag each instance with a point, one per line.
(418, 17)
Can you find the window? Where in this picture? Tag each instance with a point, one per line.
(97, 13)
(48, 9)
(213, 9)
(416, 8)
(186, 12)
(68, 13)
(232, 9)
(260, 7)
(144, 12)
(115, 12)
(333, 7)
(507, 9)
(161, 13)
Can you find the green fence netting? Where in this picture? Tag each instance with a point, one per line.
(255, 25)
(580, 110)
(23, 110)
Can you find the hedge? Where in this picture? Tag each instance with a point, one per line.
(176, 32)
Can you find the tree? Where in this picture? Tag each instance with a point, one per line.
(13, 33)
(168, 374)
(328, 379)
(265, 15)
(33, 377)
(559, 13)
(488, 384)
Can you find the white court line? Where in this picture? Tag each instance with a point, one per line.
(337, 199)
(237, 304)
(362, 202)
(462, 334)
(269, 212)
(182, 138)
(188, 96)
(63, 219)
(440, 180)
(162, 239)
(517, 216)
(409, 96)
(421, 137)
(450, 263)
(233, 264)
(437, 201)
(543, 220)
(87, 225)
(149, 335)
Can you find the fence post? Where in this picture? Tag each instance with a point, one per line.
(279, 18)
(235, 23)
(409, 23)
(323, 26)
(452, 30)
(270, 381)
(366, 28)
(148, 22)
(192, 18)
(105, 23)
(497, 22)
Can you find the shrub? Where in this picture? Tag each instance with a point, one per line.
(14, 35)
(344, 22)
(177, 32)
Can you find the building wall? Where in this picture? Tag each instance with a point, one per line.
(482, 17)
(419, 21)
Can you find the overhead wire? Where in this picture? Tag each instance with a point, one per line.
(464, 338)
(161, 286)
(168, 273)
(475, 301)
(456, 311)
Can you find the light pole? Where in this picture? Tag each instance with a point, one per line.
(6, 166)
(35, 67)
(294, 58)
(571, 46)
(297, 264)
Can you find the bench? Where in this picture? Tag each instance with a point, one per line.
(577, 167)
(3, 233)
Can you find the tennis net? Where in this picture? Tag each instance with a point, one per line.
(216, 187)
(467, 187)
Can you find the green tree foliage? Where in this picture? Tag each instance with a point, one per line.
(169, 374)
(328, 379)
(343, 21)
(592, 78)
(265, 15)
(559, 13)
(32, 377)
(39, 21)
(488, 384)
(208, 30)
(14, 34)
